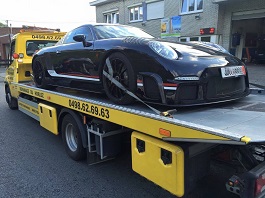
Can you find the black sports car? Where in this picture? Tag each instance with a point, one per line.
(114, 58)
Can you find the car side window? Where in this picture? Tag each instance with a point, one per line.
(69, 37)
(12, 50)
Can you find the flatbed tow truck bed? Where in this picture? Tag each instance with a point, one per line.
(174, 148)
(236, 122)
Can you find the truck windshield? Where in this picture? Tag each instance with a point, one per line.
(34, 46)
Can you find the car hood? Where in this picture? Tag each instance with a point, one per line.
(193, 59)
(194, 49)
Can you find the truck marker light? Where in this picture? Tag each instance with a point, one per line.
(48, 97)
(15, 56)
(165, 132)
(260, 184)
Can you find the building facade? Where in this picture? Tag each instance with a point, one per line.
(5, 33)
(237, 25)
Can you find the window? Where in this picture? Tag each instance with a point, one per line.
(199, 38)
(136, 13)
(35, 45)
(206, 39)
(111, 17)
(118, 31)
(69, 37)
(155, 10)
(12, 50)
(194, 39)
(190, 6)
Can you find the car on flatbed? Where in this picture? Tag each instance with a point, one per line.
(112, 58)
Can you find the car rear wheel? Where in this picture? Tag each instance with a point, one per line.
(39, 74)
(123, 72)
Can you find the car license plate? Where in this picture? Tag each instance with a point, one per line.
(233, 71)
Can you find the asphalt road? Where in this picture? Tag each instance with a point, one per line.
(33, 163)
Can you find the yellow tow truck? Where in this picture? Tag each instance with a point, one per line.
(23, 46)
(173, 149)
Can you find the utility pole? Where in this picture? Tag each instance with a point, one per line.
(9, 34)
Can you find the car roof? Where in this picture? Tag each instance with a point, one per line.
(99, 24)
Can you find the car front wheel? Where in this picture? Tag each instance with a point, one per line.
(121, 70)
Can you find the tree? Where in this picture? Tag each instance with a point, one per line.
(3, 25)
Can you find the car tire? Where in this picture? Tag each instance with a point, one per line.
(11, 101)
(123, 73)
(39, 74)
(72, 138)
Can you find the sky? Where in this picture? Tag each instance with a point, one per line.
(62, 14)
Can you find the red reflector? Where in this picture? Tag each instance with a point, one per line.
(170, 85)
(260, 185)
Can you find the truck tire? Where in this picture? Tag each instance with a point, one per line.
(11, 101)
(72, 139)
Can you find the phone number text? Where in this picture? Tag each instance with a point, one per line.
(48, 37)
(91, 109)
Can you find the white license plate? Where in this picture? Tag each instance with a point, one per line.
(233, 71)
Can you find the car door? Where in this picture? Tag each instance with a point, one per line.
(75, 59)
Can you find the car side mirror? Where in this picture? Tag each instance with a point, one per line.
(82, 38)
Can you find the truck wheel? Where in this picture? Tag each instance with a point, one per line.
(72, 139)
(11, 101)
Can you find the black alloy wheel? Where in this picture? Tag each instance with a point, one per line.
(122, 71)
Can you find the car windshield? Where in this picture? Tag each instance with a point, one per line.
(115, 31)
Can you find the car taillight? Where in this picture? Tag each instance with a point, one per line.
(260, 184)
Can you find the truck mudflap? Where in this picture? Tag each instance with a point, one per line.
(250, 184)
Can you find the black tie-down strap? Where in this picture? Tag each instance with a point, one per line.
(119, 85)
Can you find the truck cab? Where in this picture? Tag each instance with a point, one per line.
(22, 48)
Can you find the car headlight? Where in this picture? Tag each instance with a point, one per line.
(163, 50)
